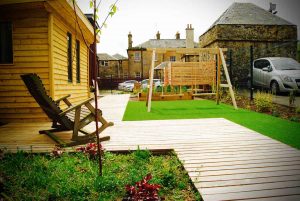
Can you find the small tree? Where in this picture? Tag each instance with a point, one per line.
(113, 9)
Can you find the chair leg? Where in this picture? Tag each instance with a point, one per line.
(76, 123)
(52, 135)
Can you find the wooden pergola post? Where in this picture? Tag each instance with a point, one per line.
(218, 78)
(151, 81)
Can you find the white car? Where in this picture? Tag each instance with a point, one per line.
(157, 83)
(122, 86)
(279, 74)
(129, 87)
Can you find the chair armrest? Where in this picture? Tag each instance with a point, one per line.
(75, 106)
(64, 98)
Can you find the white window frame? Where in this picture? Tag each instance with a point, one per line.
(104, 63)
(156, 56)
(138, 75)
(137, 56)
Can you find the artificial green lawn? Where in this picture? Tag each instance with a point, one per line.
(283, 130)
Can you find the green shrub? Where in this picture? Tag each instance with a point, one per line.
(263, 101)
(275, 113)
(168, 89)
(298, 110)
(294, 118)
(184, 89)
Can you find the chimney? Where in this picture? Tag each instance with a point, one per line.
(129, 40)
(189, 36)
(158, 35)
(177, 35)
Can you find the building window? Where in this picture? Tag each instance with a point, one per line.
(172, 58)
(104, 63)
(78, 61)
(6, 49)
(137, 56)
(69, 39)
(137, 74)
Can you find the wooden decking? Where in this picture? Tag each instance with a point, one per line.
(224, 160)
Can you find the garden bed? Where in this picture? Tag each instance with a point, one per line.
(73, 176)
(263, 105)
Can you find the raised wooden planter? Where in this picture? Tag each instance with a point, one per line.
(166, 96)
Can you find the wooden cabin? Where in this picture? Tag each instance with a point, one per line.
(43, 37)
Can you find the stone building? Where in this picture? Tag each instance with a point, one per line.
(116, 65)
(243, 25)
(140, 56)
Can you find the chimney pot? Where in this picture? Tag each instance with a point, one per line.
(157, 35)
(177, 35)
(189, 37)
(129, 40)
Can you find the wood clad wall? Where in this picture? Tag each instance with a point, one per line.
(78, 91)
(30, 55)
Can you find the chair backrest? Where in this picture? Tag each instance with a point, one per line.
(38, 91)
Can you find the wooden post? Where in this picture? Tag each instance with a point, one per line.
(228, 79)
(151, 80)
(251, 73)
(218, 60)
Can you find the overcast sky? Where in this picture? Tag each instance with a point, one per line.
(143, 18)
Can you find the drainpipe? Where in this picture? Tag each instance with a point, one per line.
(142, 65)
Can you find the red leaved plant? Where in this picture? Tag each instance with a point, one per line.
(90, 149)
(142, 191)
(57, 152)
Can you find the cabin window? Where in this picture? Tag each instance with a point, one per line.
(6, 49)
(172, 58)
(78, 61)
(69, 39)
(137, 56)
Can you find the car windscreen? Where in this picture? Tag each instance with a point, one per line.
(286, 64)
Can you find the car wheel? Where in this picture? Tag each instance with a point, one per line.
(274, 88)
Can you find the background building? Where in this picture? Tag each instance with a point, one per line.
(140, 56)
(115, 66)
(243, 25)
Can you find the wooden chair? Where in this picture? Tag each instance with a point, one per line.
(74, 117)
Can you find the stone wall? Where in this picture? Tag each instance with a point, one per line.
(267, 41)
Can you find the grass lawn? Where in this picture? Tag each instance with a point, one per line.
(74, 176)
(283, 130)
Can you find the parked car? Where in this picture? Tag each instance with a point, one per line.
(129, 87)
(157, 83)
(279, 74)
(122, 86)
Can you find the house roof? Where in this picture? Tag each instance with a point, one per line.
(248, 13)
(106, 57)
(164, 43)
(119, 57)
